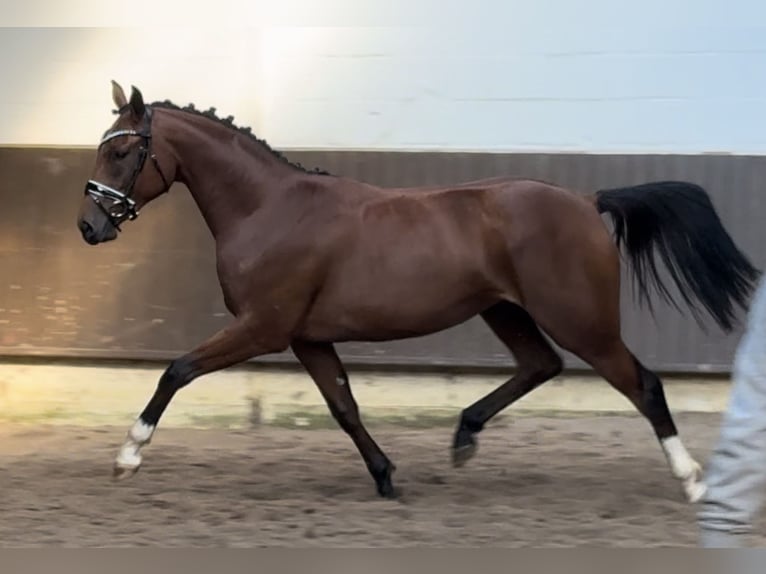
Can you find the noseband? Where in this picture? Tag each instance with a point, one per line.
(122, 206)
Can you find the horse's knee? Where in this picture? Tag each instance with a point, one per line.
(347, 417)
(179, 373)
(547, 368)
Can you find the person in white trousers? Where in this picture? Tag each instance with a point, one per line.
(736, 472)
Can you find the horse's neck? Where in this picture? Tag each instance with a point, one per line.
(229, 175)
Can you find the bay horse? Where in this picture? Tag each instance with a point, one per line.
(307, 259)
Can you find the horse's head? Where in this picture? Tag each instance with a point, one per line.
(122, 180)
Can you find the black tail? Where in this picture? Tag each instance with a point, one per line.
(679, 220)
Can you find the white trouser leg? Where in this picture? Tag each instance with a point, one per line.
(736, 473)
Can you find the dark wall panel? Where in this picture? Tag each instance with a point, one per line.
(154, 294)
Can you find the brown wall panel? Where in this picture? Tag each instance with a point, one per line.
(153, 293)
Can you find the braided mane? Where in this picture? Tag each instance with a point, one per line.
(229, 123)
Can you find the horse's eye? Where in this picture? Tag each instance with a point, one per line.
(118, 154)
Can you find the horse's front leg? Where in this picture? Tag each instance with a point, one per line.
(230, 346)
(323, 364)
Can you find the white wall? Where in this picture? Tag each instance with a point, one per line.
(57, 89)
(523, 89)
(592, 75)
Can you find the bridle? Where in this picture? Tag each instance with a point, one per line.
(122, 206)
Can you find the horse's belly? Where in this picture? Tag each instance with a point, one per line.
(420, 280)
(387, 314)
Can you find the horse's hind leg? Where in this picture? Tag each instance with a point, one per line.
(537, 362)
(323, 364)
(589, 327)
(644, 389)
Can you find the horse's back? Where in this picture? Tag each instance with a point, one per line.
(425, 261)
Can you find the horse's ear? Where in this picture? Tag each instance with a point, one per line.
(137, 105)
(118, 95)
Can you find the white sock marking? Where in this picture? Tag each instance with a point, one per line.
(138, 435)
(684, 467)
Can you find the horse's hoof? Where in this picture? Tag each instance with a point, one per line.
(694, 487)
(463, 453)
(694, 491)
(388, 491)
(384, 484)
(122, 472)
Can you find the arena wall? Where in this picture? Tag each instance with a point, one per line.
(589, 94)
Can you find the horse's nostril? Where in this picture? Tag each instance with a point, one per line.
(88, 233)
